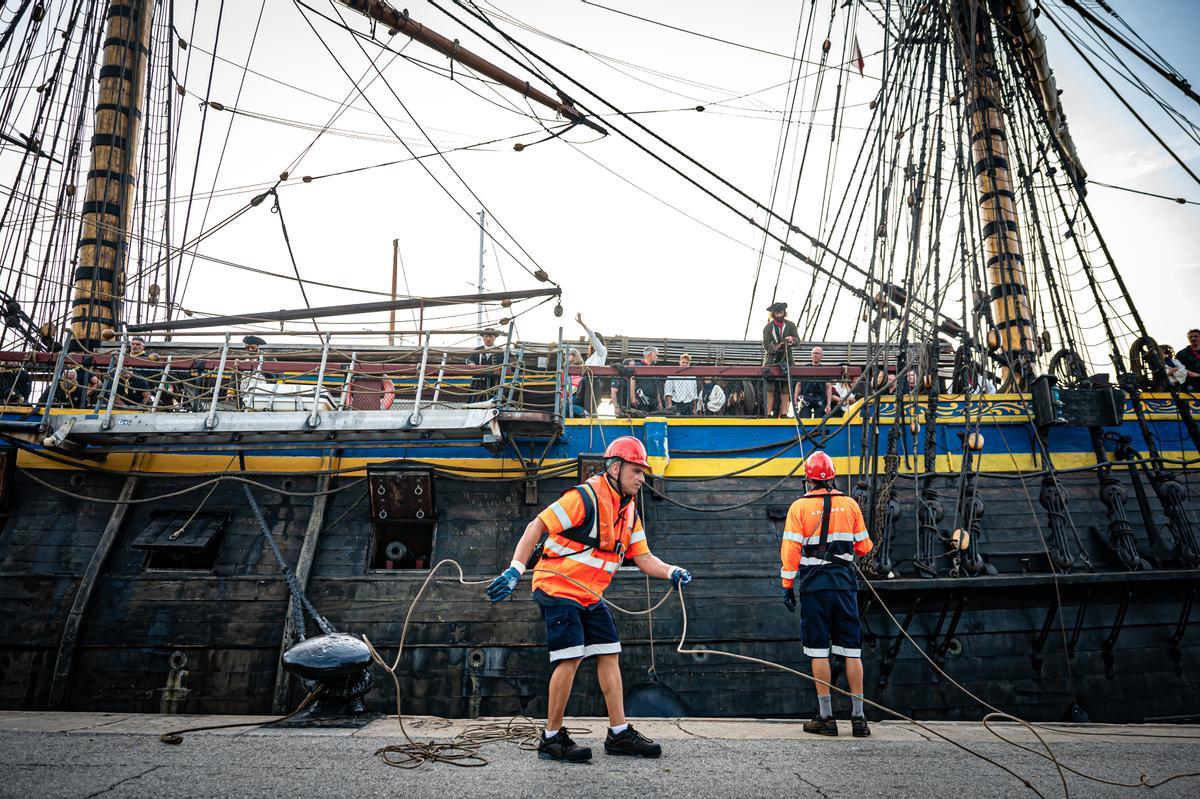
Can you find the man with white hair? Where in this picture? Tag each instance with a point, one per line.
(816, 395)
(645, 393)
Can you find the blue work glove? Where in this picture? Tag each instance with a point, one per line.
(680, 577)
(789, 600)
(503, 586)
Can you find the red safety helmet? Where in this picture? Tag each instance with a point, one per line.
(819, 466)
(628, 449)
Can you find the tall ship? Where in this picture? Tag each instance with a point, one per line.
(188, 495)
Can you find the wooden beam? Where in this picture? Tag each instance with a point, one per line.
(304, 563)
(343, 310)
(65, 661)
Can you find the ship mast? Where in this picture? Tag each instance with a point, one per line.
(101, 250)
(1012, 330)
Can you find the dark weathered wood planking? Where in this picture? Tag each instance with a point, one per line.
(229, 622)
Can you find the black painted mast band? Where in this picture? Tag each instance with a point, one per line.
(101, 248)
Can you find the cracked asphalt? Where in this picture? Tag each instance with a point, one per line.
(91, 755)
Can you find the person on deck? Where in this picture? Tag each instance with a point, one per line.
(598, 352)
(583, 386)
(843, 393)
(680, 393)
(712, 398)
(642, 396)
(585, 535)
(491, 360)
(814, 397)
(575, 359)
(136, 388)
(16, 384)
(1189, 356)
(779, 339)
(1177, 373)
(823, 533)
(70, 393)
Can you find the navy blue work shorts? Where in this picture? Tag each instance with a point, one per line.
(829, 623)
(575, 632)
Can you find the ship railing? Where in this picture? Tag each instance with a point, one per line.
(607, 390)
(521, 377)
(324, 380)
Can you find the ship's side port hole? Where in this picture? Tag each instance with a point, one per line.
(403, 518)
(182, 540)
(401, 545)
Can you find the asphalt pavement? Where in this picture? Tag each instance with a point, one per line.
(114, 755)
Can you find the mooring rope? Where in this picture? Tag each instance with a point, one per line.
(463, 749)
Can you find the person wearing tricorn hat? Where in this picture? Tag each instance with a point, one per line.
(779, 339)
(254, 380)
(486, 355)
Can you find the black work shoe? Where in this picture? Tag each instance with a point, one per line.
(561, 747)
(821, 726)
(859, 725)
(631, 742)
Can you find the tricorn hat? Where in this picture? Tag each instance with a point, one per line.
(253, 340)
(777, 306)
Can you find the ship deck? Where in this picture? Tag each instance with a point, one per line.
(117, 754)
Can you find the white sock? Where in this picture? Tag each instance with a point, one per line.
(620, 728)
(548, 734)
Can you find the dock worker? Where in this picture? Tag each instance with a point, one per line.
(823, 533)
(585, 535)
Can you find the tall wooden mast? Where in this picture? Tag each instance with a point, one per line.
(1008, 295)
(101, 251)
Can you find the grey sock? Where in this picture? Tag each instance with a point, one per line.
(856, 701)
(826, 702)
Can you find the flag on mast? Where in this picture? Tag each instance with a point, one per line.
(858, 56)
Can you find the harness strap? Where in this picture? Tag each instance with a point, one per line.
(588, 531)
(822, 546)
(826, 512)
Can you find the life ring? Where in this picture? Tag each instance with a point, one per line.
(387, 394)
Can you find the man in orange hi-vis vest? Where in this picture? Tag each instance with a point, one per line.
(823, 533)
(585, 535)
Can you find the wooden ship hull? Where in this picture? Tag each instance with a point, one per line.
(1040, 547)
(91, 621)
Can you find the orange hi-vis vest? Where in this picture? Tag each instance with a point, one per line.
(824, 529)
(603, 531)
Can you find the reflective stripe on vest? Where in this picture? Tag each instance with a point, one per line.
(839, 546)
(595, 531)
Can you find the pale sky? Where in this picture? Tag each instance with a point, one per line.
(626, 260)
